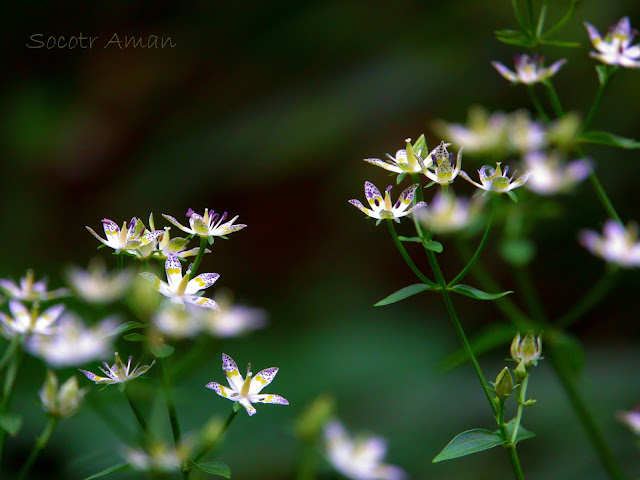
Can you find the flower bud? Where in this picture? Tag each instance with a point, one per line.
(64, 401)
(504, 384)
(314, 417)
(526, 351)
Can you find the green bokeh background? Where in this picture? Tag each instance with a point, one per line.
(266, 110)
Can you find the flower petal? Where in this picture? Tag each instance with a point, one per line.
(270, 398)
(201, 282)
(373, 195)
(262, 379)
(230, 369)
(221, 390)
(174, 271)
(247, 405)
(177, 223)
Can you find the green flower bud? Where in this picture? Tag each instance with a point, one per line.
(64, 401)
(526, 351)
(504, 384)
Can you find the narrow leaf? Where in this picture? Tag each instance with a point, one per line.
(125, 327)
(478, 294)
(215, 468)
(433, 246)
(610, 139)
(471, 441)
(404, 293)
(409, 239)
(561, 43)
(135, 337)
(10, 423)
(116, 468)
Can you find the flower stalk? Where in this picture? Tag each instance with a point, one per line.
(41, 443)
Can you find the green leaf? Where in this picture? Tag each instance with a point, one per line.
(471, 441)
(404, 293)
(215, 468)
(10, 423)
(211, 240)
(108, 471)
(135, 337)
(410, 239)
(433, 246)
(162, 350)
(561, 43)
(513, 196)
(610, 139)
(512, 37)
(494, 336)
(523, 433)
(478, 294)
(569, 349)
(125, 327)
(603, 73)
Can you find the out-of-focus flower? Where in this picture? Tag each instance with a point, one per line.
(550, 176)
(494, 180)
(526, 351)
(175, 246)
(73, 343)
(529, 70)
(180, 289)
(382, 208)
(231, 320)
(360, 458)
(441, 160)
(208, 225)
(565, 131)
(61, 401)
(96, 285)
(615, 48)
(118, 372)
(30, 291)
(631, 419)
(29, 322)
(483, 133)
(178, 322)
(618, 245)
(130, 238)
(402, 162)
(523, 134)
(157, 457)
(246, 390)
(448, 213)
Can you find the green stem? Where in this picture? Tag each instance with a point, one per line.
(196, 262)
(602, 195)
(553, 98)
(307, 468)
(405, 254)
(209, 446)
(509, 447)
(120, 262)
(536, 103)
(589, 299)
(7, 389)
(41, 442)
(171, 406)
(136, 412)
(532, 20)
(110, 420)
(203, 350)
(531, 298)
(9, 352)
(522, 394)
(476, 255)
(567, 16)
(598, 98)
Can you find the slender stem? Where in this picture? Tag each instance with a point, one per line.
(171, 406)
(598, 98)
(516, 12)
(476, 255)
(196, 262)
(203, 349)
(536, 103)
(554, 99)
(531, 298)
(210, 445)
(41, 442)
(9, 352)
(405, 254)
(602, 195)
(532, 20)
(307, 467)
(510, 447)
(7, 389)
(522, 394)
(567, 16)
(591, 298)
(137, 413)
(120, 262)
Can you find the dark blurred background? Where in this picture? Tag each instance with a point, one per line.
(266, 110)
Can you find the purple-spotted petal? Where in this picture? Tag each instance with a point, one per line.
(173, 268)
(262, 379)
(201, 282)
(373, 195)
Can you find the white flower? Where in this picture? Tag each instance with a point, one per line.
(207, 225)
(178, 322)
(64, 401)
(549, 176)
(382, 209)
(615, 48)
(246, 390)
(130, 238)
(523, 134)
(529, 70)
(157, 457)
(231, 320)
(180, 289)
(402, 162)
(30, 291)
(448, 213)
(631, 419)
(618, 244)
(493, 180)
(25, 322)
(118, 372)
(96, 285)
(73, 343)
(483, 133)
(360, 458)
(442, 160)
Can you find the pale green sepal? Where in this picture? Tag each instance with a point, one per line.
(512, 196)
